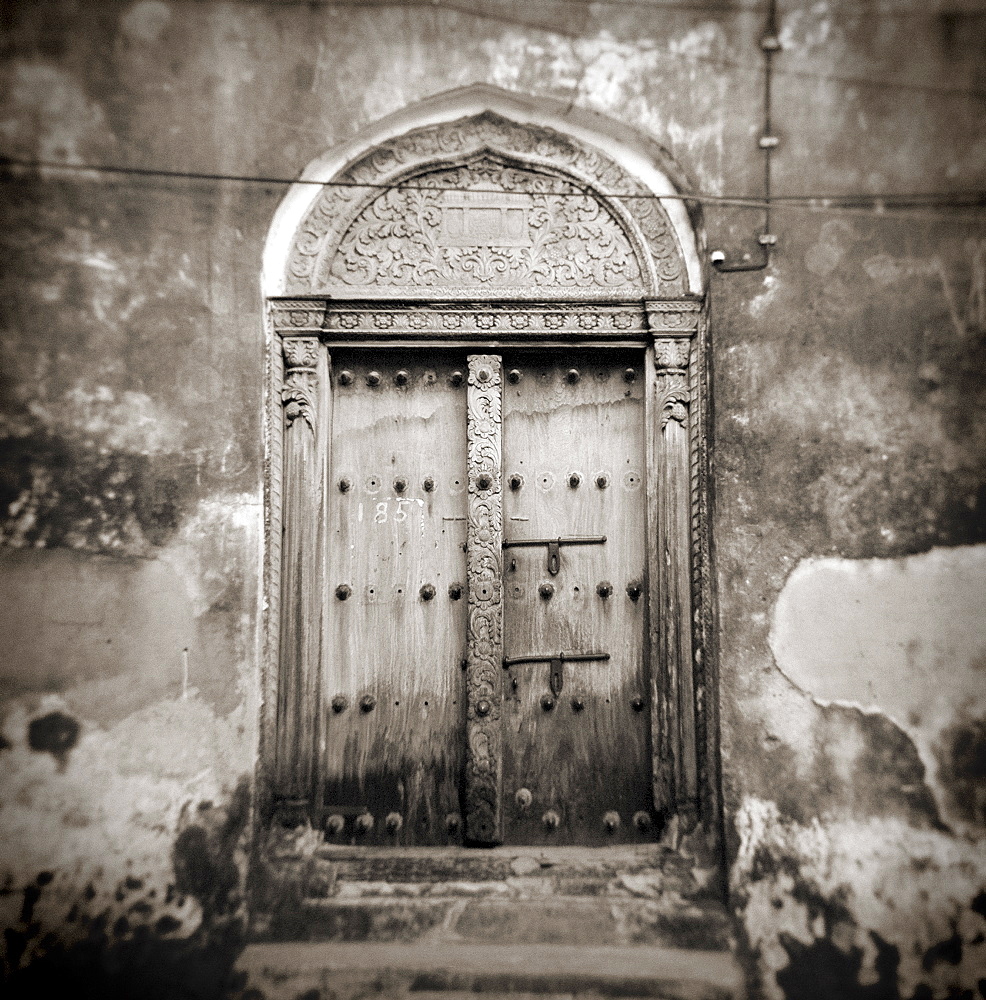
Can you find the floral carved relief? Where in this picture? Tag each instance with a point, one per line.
(484, 554)
(484, 202)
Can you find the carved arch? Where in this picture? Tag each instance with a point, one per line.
(560, 186)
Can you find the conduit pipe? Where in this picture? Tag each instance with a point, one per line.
(770, 45)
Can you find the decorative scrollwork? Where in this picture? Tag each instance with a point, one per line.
(298, 394)
(671, 361)
(521, 216)
(485, 644)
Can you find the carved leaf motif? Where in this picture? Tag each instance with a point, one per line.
(571, 240)
(298, 395)
(484, 555)
(559, 262)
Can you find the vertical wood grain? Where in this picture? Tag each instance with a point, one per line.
(571, 422)
(305, 372)
(484, 760)
(396, 526)
(673, 474)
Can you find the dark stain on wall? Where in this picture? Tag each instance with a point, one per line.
(203, 855)
(961, 755)
(55, 733)
(74, 493)
(123, 955)
(887, 774)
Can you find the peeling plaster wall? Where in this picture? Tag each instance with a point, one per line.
(849, 446)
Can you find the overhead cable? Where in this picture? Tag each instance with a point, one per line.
(875, 202)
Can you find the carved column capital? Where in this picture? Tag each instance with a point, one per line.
(671, 361)
(298, 394)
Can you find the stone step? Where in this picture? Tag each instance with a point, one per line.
(444, 971)
(446, 864)
(668, 920)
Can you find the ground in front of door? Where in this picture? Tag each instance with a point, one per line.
(337, 923)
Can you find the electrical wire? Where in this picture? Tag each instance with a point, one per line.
(878, 203)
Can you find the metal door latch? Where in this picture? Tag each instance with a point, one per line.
(554, 556)
(556, 660)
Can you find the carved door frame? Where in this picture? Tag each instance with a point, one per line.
(310, 314)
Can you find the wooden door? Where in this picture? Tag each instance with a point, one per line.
(396, 528)
(576, 757)
(573, 720)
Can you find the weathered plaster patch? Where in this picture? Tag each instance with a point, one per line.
(144, 21)
(89, 839)
(877, 899)
(903, 637)
(52, 117)
(126, 420)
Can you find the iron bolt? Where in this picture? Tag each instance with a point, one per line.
(546, 590)
(400, 484)
(367, 703)
(373, 378)
(547, 702)
(334, 824)
(345, 485)
(514, 376)
(551, 820)
(637, 704)
(427, 592)
(574, 479)
(452, 822)
(611, 821)
(523, 797)
(401, 377)
(572, 376)
(483, 708)
(577, 703)
(455, 591)
(343, 591)
(633, 590)
(364, 823)
(602, 482)
(516, 482)
(345, 378)
(484, 481)
(428, 485)
(394, 822)
(641, 820)
(455, 379)
(340, 703)
(605, 589)
(629, 374)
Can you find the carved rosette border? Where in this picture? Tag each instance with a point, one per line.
(484, 760)
(300, 388)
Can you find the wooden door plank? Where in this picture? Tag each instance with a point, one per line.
(574, 466)
(484, 758)
(397, 509)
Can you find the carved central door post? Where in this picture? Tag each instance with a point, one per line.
(484, 555)
(304, 397)
(672, 489)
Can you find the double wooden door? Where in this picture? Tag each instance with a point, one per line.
(573, 699)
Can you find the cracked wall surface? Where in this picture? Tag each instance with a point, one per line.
(849, 446)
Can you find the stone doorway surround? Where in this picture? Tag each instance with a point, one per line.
(483, 219)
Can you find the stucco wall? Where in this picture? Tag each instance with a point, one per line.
(848, 447)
